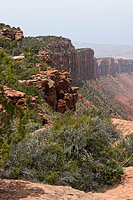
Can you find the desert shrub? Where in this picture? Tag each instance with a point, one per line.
(33, 126)
(77, 151)
(34, 116)
(124, 151)
(29, 90)
(8, 46)
(26, 74)
(7, 75)
(43, 66)
(13, 120)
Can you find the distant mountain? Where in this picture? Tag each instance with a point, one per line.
(107, 50)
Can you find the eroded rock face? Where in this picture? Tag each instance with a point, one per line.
(112, 66)
(56, 89)
(11, 35)
(80, 63)
(85, 60)
(62, 55)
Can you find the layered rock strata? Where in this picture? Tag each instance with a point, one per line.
(62, 55)
(111, 66)
(85, 62)
(80, 63)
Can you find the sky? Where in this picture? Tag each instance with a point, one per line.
(93, 21)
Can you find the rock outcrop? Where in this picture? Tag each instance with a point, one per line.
(12, 34)
(18, 98)
(62, 55)
(56, 89)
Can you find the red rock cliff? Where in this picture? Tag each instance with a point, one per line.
(85, 62)
(111, 66)
(63, 56)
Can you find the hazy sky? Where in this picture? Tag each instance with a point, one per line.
(93, 21)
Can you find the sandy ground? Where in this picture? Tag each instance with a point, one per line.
(25, 190)
(126, 127)
(123, 191)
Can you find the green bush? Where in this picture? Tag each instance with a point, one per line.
(7, 74)
(13, 120)
(124, 151)
(77, 151)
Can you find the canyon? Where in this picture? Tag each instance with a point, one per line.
(111, 75)
(81, 63)
(107, 81)
(62, 55)
(103, 84)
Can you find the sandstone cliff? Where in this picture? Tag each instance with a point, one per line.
(85, 62)
(62, 55)
(112, 66)
(80, 63)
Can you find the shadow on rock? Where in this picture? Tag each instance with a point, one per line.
(14, 190)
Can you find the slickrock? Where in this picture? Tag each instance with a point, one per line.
(25, 190)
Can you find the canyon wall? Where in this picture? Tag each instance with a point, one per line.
(85, 63)
(80, 63)
(63, 56)
(111, 66)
